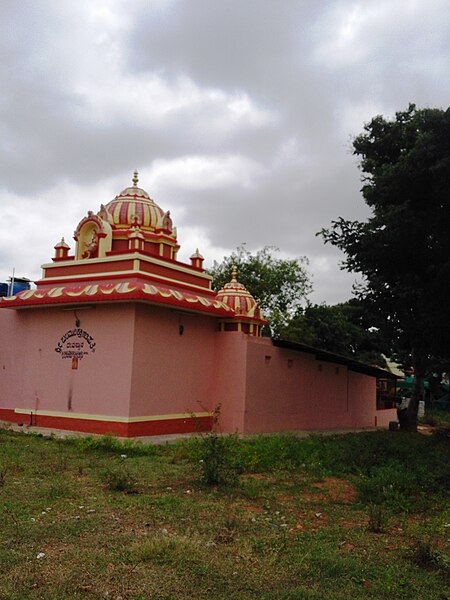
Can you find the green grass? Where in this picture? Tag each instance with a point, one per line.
(333, 517)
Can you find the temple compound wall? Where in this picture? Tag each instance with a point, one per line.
(138, 376)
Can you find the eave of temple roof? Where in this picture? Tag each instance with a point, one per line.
(134, 290)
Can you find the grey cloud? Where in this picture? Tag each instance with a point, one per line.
(223, 44)
(285, 57)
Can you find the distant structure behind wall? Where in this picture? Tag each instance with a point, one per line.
(15, 286)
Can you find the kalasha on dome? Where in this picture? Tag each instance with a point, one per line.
(128, 251)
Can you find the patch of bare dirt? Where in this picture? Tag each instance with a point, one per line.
(256, 476)
(337, 490)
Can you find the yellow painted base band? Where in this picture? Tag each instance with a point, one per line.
(110, 418)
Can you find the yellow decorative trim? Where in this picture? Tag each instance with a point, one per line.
(165, 294)
(150, 289)
(117, 274)
(132, 257)
(109, 418)
(91, 290)
(127, 288)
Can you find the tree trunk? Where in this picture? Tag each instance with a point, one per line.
(408, 422)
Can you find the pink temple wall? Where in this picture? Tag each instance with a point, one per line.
(272, 388)
(230, 371)
(197, 371)
(11, 361)
(142, 367)
(362, 391)
(42, 380)
(289, 390)
(172, 373)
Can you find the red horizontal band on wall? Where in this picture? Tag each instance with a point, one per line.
(134, 429)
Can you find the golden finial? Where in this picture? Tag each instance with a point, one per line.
(234, 273)
(135, 178)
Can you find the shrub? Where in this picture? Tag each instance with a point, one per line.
(218, 459)
(217, 454)
(120, 480)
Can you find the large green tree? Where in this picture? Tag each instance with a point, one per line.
(279, 285)
(347, 328)
(403, 249)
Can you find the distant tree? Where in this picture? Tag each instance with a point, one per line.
(280, 286)
(403, 249)
(345, 328)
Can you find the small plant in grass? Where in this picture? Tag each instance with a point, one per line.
(120, 480)
(425, 556)
(377, 519)
(389, 485)
(217, 455)
(58, 487)
(10, 513)
(3, 476)
(162, 549)
(228, 531)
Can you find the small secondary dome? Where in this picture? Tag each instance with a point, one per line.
(134, 207)
(236, 296)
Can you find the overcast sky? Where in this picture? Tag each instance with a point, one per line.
(238, 114)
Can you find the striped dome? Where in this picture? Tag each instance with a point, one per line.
(133, 207)
(236, 296)
(134, 202)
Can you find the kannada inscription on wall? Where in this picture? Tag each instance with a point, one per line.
(75, 344)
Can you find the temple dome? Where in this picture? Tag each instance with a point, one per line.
(236, 296)
(134, 207)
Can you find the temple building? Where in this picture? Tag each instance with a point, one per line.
(122, 338)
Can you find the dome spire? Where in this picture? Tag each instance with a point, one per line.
(135, 178)
(234, 273)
